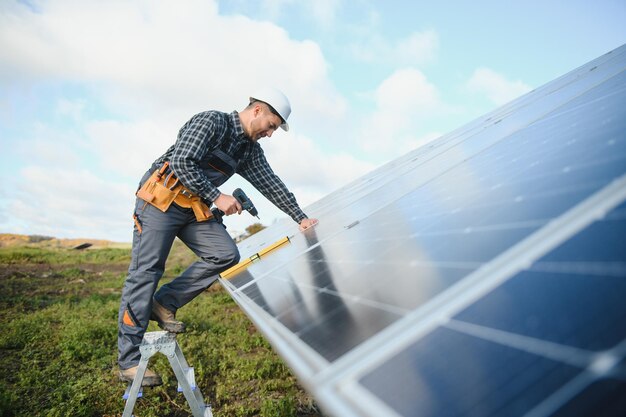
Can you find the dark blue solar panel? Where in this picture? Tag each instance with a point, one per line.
(561, 300)
(450, 374)
(603, 398)
(602, 241)
(576, 310)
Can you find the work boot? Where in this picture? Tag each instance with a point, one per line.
(166, 319)
(150, 378)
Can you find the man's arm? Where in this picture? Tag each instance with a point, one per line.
(259, 173)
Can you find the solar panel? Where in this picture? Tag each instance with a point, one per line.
(481, 275)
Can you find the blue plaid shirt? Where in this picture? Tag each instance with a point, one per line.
(212, 130)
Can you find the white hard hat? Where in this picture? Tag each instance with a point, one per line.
(277, 101)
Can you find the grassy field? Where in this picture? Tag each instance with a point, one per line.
(58, 345)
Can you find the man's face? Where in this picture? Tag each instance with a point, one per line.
(264, 123)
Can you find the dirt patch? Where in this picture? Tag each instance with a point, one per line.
(35, 286)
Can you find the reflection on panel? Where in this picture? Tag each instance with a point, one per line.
(483, 274)
(583, 311)
(450, 374)
(571, 297)
(564, 297)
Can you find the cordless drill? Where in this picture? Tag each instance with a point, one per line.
(245, 202)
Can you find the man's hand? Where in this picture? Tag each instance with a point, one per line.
(306, 223)
(228, 204)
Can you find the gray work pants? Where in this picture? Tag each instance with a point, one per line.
(209, 240)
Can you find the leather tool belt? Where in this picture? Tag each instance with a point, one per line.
(162, 190)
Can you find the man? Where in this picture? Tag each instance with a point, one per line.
(173, 201)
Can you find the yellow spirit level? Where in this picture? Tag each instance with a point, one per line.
(243, 264)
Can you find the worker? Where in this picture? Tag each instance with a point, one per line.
(173, 200)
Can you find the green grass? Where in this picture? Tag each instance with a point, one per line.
(58, 347)
(33, 255)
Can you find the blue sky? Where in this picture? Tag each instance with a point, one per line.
(92, 91)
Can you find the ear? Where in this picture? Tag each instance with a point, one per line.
(257, 110)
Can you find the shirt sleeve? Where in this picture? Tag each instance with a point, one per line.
(191, 145)
(258, 172)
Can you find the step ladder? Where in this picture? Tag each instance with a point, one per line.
(165, 343)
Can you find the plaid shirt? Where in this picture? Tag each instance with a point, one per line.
(212, 130)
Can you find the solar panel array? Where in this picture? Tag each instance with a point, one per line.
(481, 275)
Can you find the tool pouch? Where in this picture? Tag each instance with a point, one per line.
(154, 192)
(201, 211)
(185, 199)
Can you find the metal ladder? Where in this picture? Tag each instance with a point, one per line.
(165, 343)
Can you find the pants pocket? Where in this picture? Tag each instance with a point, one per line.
(129, 318)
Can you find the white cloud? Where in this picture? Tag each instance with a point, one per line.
(301, 161)
(272, 8)
(71, 108)
(418, 48)
(406, 91)
(495, 86)
(71, 203)
(404, 101)
(129, 147)
(44, 146)
(323, 11)
(161, 56)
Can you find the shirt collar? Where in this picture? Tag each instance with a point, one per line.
(239, 133)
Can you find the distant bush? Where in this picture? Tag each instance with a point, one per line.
(38, 238)
(254, 228)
